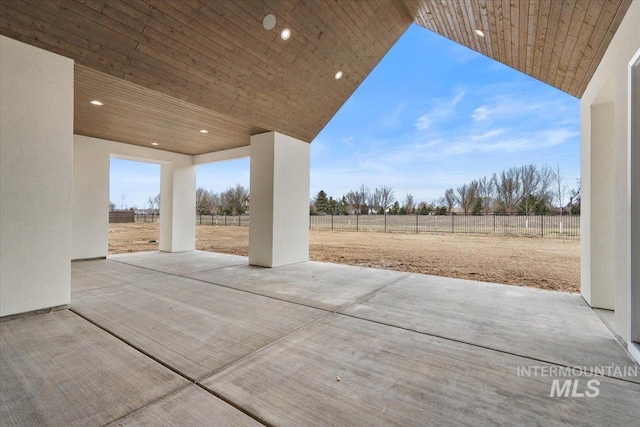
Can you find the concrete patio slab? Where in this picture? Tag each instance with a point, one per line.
(321, 285)
(58, 369)
(87, 275)
(180, 263)
(194, 327)
(551, 326)
(191, 406)
(390, 376)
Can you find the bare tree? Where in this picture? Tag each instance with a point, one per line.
(386, 197)
(507, 187)
(123, 205)
(374, 200)
(529, 182)
(409, 204)
(203, 201)
(486, 190)
(449, 199)
(355, 201)
(468, 196)
(546, 183)
(364, 196)
(560, 187)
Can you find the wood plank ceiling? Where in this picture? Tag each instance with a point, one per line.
(166, 69)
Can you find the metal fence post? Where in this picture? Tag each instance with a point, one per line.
(331, 221)
(416, 222)
(542, 226)
(225, 219)
(385, 222)
(357, 221)
(452, 215)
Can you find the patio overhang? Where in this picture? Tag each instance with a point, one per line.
(165, 70)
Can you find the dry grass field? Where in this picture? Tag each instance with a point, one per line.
(524, 261)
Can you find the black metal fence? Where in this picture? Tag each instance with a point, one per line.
(147, 217)
(515, 225)
(519, 225)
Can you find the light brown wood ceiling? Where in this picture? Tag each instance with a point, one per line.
(559, 42)
(166, 69)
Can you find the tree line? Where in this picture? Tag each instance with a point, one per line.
(527, 190)
(232, 201)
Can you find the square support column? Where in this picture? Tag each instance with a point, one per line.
(177, 207)
(36, 171)
(279, 228)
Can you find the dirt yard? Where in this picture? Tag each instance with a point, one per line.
(524, 261)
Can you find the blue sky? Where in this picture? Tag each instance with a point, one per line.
(432, 115)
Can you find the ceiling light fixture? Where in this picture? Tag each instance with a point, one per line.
(269, 22)
(338, 75)
(204, 131)
(96, 102)
(154, 143)
(479, 32)
(285, 34)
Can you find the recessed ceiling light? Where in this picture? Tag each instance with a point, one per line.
(204, 131)
(269, 22)
(479, 32)
(338, 75)
(95, 102)
(285, 34)
(154, 143)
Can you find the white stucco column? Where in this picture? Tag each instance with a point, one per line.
(36, 155)
(634, 199)
(90, 235)
(598, 204)
(279, 225)
(177, 207)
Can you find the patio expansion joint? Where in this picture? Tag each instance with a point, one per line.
(181, 374)
(485, 347)
(137, 348)
(236, 289)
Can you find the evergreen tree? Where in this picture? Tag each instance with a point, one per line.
(321, 202)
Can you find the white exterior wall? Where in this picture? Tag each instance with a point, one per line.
(279, 230)
(614, 65)
(36, 149)
(91, 195)
(90, 234)
(177, 207)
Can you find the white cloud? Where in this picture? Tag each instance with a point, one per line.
(443, 108)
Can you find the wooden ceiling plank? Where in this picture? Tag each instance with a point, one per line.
(622, 8)
(473, 21)
(93, 88)
(570, 42)
(522, 30)
(531, 36)
(541, 33)
(553, 22)
(52, 38)
(87, 20)
(120, 12)
(302, 73)
(469, 37)
(568, 7)
(505, 18)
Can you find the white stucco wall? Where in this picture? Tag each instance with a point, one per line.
(36, 146)
(90, 238)
(177, 207)
(614, 65)
(91, 195)
(279, 230)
